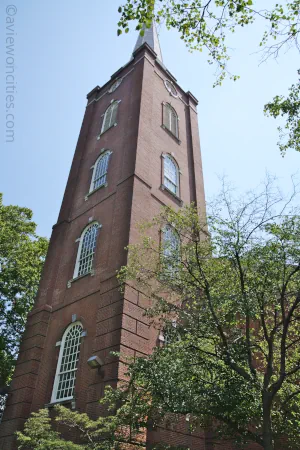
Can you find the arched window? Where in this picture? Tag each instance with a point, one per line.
(100, 171)
(170, 333)
(65, 376)
(170, 119)
(86, 250)
(110, 116)
(171, 248)
(171, 174)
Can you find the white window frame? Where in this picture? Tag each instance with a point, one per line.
(169, 85)
(169, 108)
(170, 157)
(164, 230)
(76, 269)
(115, 85)
(106, 112)
(94, 167)
(58, 373)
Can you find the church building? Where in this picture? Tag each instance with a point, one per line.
(138, 150)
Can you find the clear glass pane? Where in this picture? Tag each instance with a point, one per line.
(171, 119)
(170, 175)
(68, 367)
(101, 171)
(110, 116)
(87, 250)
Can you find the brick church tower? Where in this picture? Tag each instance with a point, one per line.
(138, 149)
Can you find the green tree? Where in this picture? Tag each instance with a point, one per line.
(22, 255)
(289, 107)
(233, 358)
(207, 26)
(105, 433)
(226, 294)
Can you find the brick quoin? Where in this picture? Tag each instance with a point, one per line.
(112, 321)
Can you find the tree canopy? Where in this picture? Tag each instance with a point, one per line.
(208, 26)
(229, 305)
(225, 295)
(22, 255)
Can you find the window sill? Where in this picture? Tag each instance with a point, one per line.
(103, 132)
(69, 284)
(70, 402)
(95, 190)
(171, 134)
(178, 199)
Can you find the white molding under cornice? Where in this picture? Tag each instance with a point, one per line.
(179, 96)
(104, 93)
(155, 71)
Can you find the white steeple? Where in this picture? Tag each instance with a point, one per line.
(151, 38)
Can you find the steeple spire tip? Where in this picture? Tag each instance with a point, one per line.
(151, 38)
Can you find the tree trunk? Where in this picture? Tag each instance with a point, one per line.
(268, 443)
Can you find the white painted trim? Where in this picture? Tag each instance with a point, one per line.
(104, 118)
(171, 157)
(104, 93)
(102, 153)
(170, 90)
(56, 379)
(171, 109)
(76, 268)
(117, 81)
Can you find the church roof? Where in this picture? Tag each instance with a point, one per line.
(151, 38)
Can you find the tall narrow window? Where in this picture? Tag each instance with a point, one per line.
(65, 377)
(171, 249)
(110, 116)
(86, 250)
(170, 119)
(171, 174)
(100, 171)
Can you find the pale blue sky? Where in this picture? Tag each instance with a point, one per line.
(63, 49)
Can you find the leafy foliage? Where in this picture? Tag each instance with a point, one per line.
(208, 25)
(290, 107)
(39, 435)
(228, 304)
(105, 433)
(22, 255)
(234, 354)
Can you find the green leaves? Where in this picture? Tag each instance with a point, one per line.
(288, 107)
(229, 317)
(39, 435)
(206, 25)
(235, 301)
(22, 255)
(104, 433)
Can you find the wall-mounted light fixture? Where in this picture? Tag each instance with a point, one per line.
(95, 362)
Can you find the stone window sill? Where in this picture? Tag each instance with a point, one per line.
(91, 273)
(101, 134)
(68, 402)
(178, 199)
(171, 134)
(95, 190)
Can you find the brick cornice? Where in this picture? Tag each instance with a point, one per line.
(45, 307)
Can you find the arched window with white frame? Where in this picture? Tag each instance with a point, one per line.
(86, 250)
(65, 377)
(110, 116)
(171, 174)
(171, 249)
(100, 171)
(170, 119)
